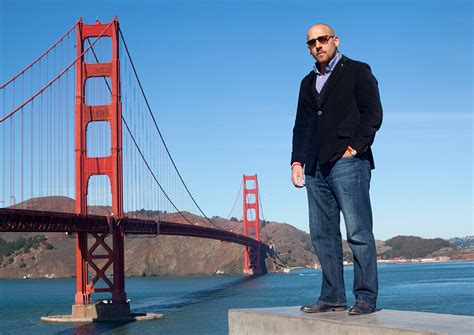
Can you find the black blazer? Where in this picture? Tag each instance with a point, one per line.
(348, 113)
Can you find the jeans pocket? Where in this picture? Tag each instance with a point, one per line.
(349, 157)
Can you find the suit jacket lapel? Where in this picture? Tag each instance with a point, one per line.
(313, 86)
(334, 78)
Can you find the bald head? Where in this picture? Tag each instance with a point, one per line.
(321, 27)
(322, 43)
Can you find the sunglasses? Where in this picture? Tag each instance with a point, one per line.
(321, 39)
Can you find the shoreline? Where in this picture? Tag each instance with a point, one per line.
(406, 262)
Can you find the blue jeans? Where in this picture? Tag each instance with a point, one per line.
(343, 186)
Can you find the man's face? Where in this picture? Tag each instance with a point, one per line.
(323, 53)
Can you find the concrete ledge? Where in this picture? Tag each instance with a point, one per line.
(290, 320)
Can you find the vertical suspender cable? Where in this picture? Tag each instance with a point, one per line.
(22, 137)
(12, 155)
(31, 136)
(67, 117)
(4, 172)
(60, 111)
(140, 139)
(53, 128)
(48, 123)
(40, 131)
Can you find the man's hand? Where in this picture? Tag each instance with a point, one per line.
(297, 176)
(347, 153)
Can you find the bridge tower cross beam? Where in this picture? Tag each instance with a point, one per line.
(110, 166)
(254, 261)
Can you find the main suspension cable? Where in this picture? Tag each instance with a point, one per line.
(263, 216)
(235, 202)
(42, 55)
(138, 148)
(56, 78)
(152, 173)
(159, 132)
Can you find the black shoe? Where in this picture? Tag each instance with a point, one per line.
(321, 307)
(360, 308)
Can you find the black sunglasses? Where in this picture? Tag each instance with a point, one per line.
(321, 39)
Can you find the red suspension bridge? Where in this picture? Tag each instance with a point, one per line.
(76, 123)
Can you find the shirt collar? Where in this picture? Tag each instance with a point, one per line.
(330, 65)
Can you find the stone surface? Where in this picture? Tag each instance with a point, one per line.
(290, 320)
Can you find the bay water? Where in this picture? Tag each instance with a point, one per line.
(199, 304)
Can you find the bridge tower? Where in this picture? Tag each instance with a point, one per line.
(254, 262)
(112, 250)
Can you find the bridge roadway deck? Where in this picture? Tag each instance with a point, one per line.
(20, 220)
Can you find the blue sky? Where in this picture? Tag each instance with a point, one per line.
(223, 78)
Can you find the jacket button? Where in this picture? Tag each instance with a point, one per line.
(320, 113)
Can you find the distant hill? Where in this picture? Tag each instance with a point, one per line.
(462, 242)
(52, 254)
(410, 247)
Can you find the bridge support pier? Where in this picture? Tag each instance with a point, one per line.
(257, 264)
(101, 310)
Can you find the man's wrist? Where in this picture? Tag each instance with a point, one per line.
(295, 163)
(352, 150)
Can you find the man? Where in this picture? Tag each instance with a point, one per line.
(339, 112)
